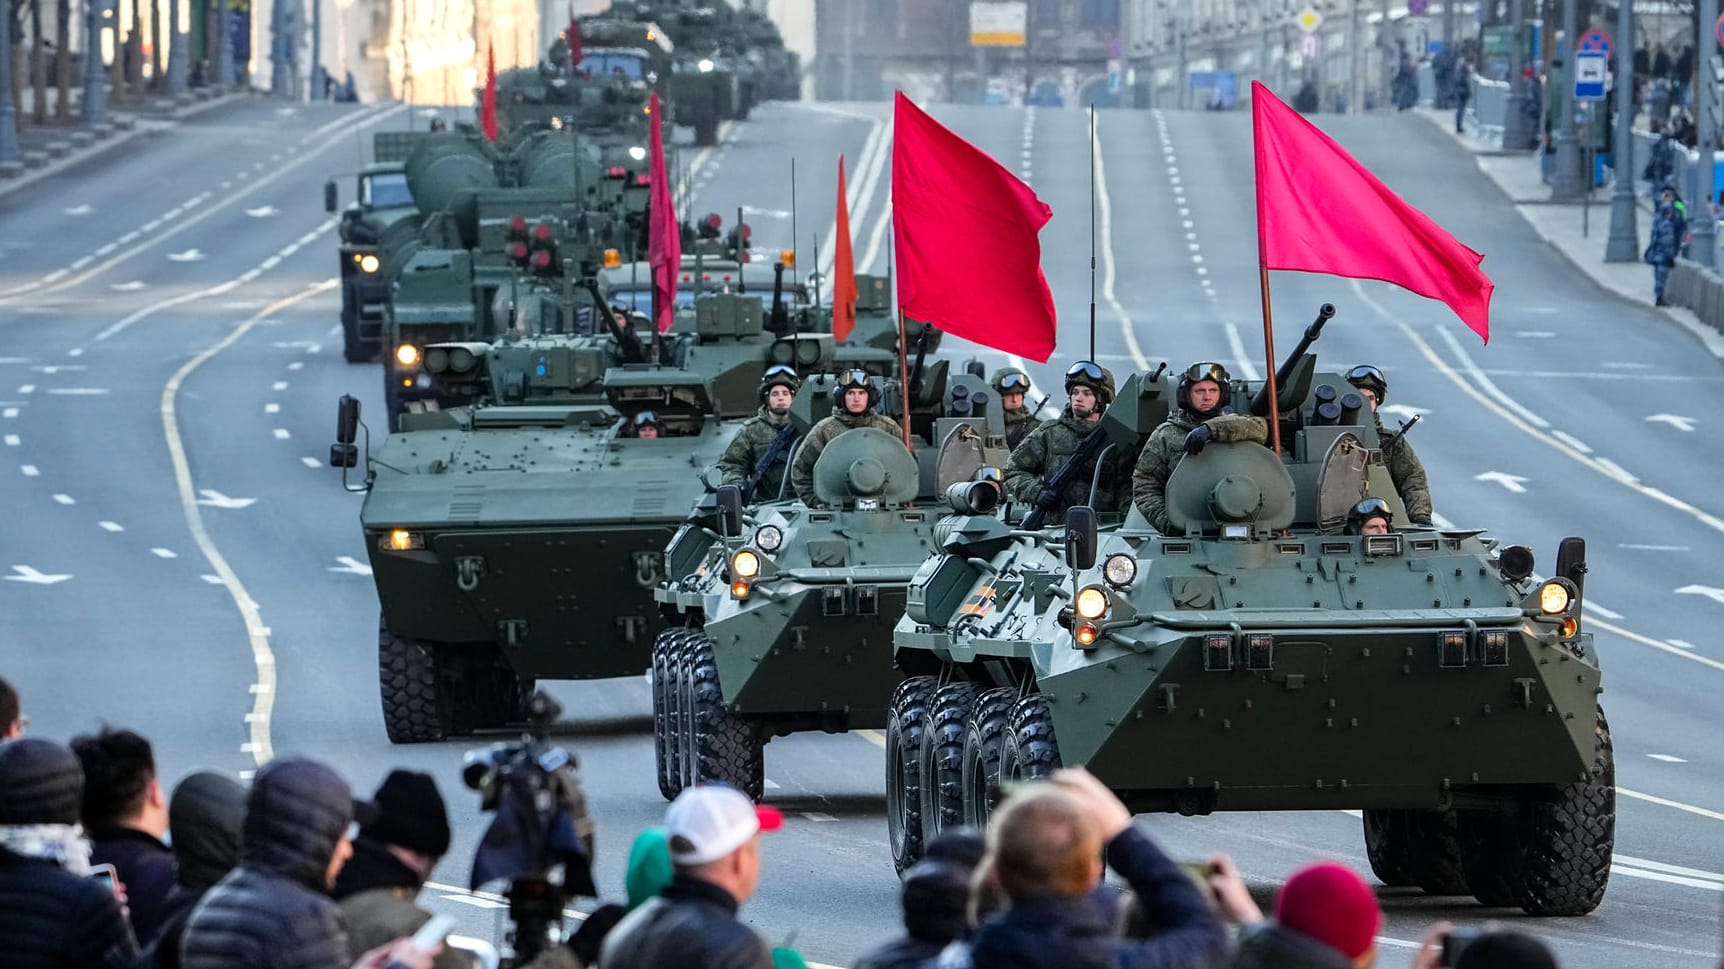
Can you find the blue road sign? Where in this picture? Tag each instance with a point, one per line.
(1590, 70)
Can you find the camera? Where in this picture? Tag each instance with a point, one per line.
(1455, 942)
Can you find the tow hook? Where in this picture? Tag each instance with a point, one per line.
(469, 569)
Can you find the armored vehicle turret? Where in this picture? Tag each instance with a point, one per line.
(1260, 656)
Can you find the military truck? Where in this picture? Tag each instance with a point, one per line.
(373, 229)
(1258, 657)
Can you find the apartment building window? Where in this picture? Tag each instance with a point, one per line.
(1100, 14)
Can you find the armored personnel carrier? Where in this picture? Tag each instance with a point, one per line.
(785, 623)
(1259, 657)
(520, 537)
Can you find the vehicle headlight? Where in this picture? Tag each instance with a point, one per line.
(1091, 602)
(407, 355)
(1553, 598)
(1119, 570)
(745, 564)
(637, 153)
(706, 65)
(402, 540)
(770, 538)
(369, 263)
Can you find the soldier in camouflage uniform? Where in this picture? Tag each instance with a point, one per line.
(1404, 467)
(857, 395)
(1012, 384)
(1047, 448)
(1200, 416)
(741, 461)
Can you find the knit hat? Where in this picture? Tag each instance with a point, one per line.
(649, 869)
(41, 782)
(1332, 904)
(410, 814)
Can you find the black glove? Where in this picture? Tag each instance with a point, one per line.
(1048, 498)
(1199, 436)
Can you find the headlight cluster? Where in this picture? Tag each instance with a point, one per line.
(770, 538)
(1554, 598)
(369, 263)
(744, 565)
(1091, 602)
(407, 355)
(1120, 570)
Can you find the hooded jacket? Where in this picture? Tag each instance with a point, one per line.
(691, 925)
(1166, 446)
(272, 911)
(206, 817)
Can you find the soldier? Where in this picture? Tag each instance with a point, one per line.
(1012, 384)
(1199, 416)
(1404, 467)
(647, 426)
(756, 458)
(1089, 389)
(1370, 517)
(857, 395)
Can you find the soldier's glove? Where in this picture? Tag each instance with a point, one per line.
(1199, 436)
(1048, 498)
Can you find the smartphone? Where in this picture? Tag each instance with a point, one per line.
(1456, 942)
(433, 932)
(103, 874)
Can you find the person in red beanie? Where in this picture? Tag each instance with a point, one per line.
(1326, 917)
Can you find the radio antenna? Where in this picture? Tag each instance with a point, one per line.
(795, 272)
(1092, 154)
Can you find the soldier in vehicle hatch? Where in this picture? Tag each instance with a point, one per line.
(1089, 389)
(1370, 517)
(647, 426)
(757, 457)
(1404, 467)
(857, 395)
(1012, 384)
(1200, 415)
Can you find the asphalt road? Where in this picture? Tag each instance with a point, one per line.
(169, 368)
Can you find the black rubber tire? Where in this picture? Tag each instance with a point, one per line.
(354, 349)
(726, 747)
(942, 763)
(664, 743)
(1031, 751)
(706, 130)
(1436, 853)
(1386, 847)
(1570, 835)
(416, 708)
(904, 719)
(984, 736)
(1493, 856)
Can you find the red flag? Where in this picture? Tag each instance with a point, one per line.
(576, 54)
(488, 100)
(843, 268)
(1320, 211)
(964, 234)
(664, 236)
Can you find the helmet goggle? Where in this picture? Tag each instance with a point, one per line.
(855, 380)
(780, 373)
(1367, 373)
(1371, 508)
(1085, 368)
(646, 417)
(1207, 371)
(1015, 381)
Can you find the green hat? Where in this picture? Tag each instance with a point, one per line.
(649, 869)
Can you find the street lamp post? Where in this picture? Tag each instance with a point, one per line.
(178, 39)
(1623, 244)
(224, 45)
(1703, 225)
(1516, 135)
(1568, 182)
(9, 153)
(93, 111)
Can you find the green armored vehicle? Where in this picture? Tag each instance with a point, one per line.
(785, 624)
(1261, 657)
(375, 226)
(520, 537)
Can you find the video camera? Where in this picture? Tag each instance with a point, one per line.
(541, 839)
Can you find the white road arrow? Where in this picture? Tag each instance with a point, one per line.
(1680, 423)
(1403, 411)
(351, 565)
(216, 499)
(190, 255)
(1716, 595)
(130, 287)
(30, 575)
(1508, 481)
(79, 210)
(262, 211)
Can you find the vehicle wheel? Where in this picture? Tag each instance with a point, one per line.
(942, 763)
(1435, 853)
(416, 708)
(706, 130)
(1388, 847)
(664, 741)
(726, 747)
(984, 735)
(1031, 751)
(1493, 856)
(1569, 836)
(903, 778)
(354, 349)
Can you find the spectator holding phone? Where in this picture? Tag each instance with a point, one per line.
(126, 815)
(51, 914)
(1446, 947)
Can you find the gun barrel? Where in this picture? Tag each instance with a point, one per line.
(627, 341)
(1284, 372)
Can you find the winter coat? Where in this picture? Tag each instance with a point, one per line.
(691, 925)
(376, 893)
(1166, 446)
(1066, 932)
(1268, 945)
(1020, 421)
(1045, 451)
(1667, 232)
(148, 870)
(1408, 474)
(53, 919)
(272, 911)
(820, 435)
(905, 952)
(749, 446)
(206, 817)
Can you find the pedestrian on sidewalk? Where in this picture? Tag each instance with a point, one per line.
(1667, 233)
(1463, 92)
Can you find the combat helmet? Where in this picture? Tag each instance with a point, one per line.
(1009, 380)
(1366, 510)
(647, 418)
(1087, 373)
(1196, 374)
(1367, 377)
(779, 376)
(856, 379)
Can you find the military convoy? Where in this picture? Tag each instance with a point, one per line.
(378, 222)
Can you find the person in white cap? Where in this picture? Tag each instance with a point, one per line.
(714, 836)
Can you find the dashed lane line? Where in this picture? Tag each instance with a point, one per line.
(1108, 270)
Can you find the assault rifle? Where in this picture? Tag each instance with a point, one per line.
(1093, 445)
(786, 437)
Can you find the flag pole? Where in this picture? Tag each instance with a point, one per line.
(904, 379)
(1092, 153)
(1269, 353)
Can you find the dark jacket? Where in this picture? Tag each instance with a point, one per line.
(904, 952)
(146, 867)
(272, 912)
(1064, 932)
(691, 925)
(1268, 945)
(376, 892)
(205, 817)
(53, 919)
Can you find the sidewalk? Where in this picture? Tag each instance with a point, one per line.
(55, 145)
(1570, 228)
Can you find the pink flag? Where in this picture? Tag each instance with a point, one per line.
(664, 236)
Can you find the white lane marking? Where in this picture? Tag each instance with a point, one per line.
(818, 816)
(1236, 343)
(1710, 876)
(1657, 876)
(1674, 420)
(217, 580)
(1513, 483)
(190, 255)
(1105, 204)
(874, 737)
(128, 238)
(311, 462)
(281, 434)
(1484, 382)
(107, 526)
(164, 553)
(278, 385)
(1668, 758)
(12, 440)
(1680, 643)
(29, 470)
(296, 365)
(1716, 595)
(33, 577)
(263, 211)
(1616, 471)
(1571, 441)
(771, 785)
(272, 408)
(65, 499)
(9, 413)
(78, 391)
(1662, 647)
(1655, 548)
(263, 657)
(862, 183)
(216, 499)
(350, 565)
(56, 368)
(83, 209)
(27, 389)
(1589, 606)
